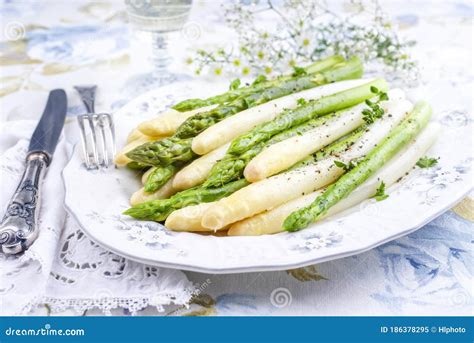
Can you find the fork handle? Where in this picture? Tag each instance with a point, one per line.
(19, 228)
(87, 94)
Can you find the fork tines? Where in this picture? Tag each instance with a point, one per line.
(98, 139)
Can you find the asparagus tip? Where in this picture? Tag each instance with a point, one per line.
(137, 212)
(295, 222)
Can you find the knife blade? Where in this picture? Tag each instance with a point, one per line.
(18, 228)
(47, 132)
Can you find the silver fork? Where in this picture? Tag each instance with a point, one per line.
(97, 132)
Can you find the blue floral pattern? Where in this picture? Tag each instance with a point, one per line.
(430, 265)
(78, 45)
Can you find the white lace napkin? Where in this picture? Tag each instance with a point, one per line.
(64, 269)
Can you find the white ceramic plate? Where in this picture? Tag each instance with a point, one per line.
(97, 199)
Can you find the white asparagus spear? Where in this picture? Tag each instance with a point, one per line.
(164, 192)
(168, 122)
(284, 154)
(134, 135)
(278, 189)
(188, 218)
(271, 221)
(197, 172)
(233, 126)
(121, 159)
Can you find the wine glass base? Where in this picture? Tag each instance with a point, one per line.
(162, 78)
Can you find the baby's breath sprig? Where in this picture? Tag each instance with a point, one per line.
(301, 31)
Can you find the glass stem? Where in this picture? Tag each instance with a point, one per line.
(161, 58)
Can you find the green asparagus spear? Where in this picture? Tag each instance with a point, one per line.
(234, 93)
(158, 177)
(312, 109)
(159, 210)
(375, 159)
(324, 64)
(231, 167)
(164, 152)
(137, 166)
(178, 147)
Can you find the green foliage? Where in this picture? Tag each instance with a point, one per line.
(298, 71)
(361, 29)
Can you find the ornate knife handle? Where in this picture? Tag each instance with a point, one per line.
(18, 228)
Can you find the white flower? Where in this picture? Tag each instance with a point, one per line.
(340, 35)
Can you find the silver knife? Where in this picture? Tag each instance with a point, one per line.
(18, 228)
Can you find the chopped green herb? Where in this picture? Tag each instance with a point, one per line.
(380, 193)
(345, 166)
(234, 84)
(301, 101)
(375, 112)
(383, 96)
(426, 162)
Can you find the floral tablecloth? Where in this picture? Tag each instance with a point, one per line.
(53, 44)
